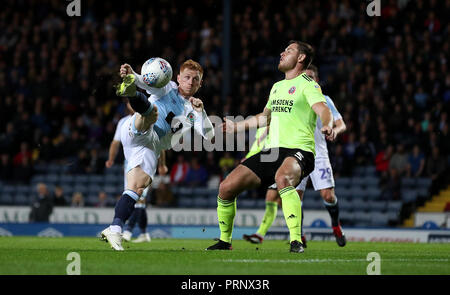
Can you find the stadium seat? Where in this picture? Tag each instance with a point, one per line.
(23, 189)
(379, 219)
(52, 178)
(91, 200)
(358, 193)
(200, 202)
(66, 179)
(312, 203)
(9, 189)
(342, 182)
(373, 193)
(185, 203)
(342, 192)
(246, 203)
(359, 171)
(109, 178)
(409, 195)
(260, 204)
(97, 179)
(360, 205)
(312, 194)
(423, 192)
(408, 183)
(21, 200)
(377, 206)
(200, 192)
(80, 188)
(393, 216)
(94, 188)
(185, 191)
(358, 182)
(370, 171)
(346, 217)
(6, 199)
(212, 202)
(346, 206)
(80, 178)
(371, 181)
(361, 218)
(394, 206)
(37, 178)
(424, 182)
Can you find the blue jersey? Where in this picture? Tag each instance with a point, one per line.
(170, 104)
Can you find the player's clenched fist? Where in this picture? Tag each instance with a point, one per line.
(197, 104)
(153, 117)
(125, 69)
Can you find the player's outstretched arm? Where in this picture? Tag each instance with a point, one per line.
(324, 113)
(162, 167)
(260, 120)
(339, 128)
(202, 125)
(113, 150)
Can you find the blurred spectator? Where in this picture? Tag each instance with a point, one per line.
(96, 163)
(226, 164)
(163, 196)
(179, 170)
(23, 171)
(435, 168)
(399, 160)
(211, 165)
(42, 205)
(338, 162)
(196, 175)
(416, 162)
(350, 147)
(59, 198)
(77, 200)
(24, 153)
(382, 160)
(391, 186)
(102, 200)
(6, 167)
(365, 152)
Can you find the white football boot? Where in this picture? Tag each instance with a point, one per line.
(142, 238)
(113, 238)
(127, 235)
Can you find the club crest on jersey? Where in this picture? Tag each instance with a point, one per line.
(292, 90)
(191, 117)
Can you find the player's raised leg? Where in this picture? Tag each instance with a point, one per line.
(240, 179)
(331, 203)
(272, 202)
(146, 111)
(137, 181)
(287, 178)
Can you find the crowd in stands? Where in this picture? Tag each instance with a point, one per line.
(387, 75)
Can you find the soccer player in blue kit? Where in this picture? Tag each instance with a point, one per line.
(159, 120)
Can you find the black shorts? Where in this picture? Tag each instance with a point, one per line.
(265, 167)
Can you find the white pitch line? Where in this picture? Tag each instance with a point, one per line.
(324, 260)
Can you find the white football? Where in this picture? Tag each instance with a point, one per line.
(156, 72)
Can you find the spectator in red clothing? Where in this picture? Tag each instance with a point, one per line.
(432, 23)
(382, 160)
(179, 170)
(24, 153)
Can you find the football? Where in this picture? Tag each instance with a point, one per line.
(156, 72)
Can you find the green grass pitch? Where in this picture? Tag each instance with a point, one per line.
(47, 256)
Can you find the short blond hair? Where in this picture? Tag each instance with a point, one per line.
(192, 65)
